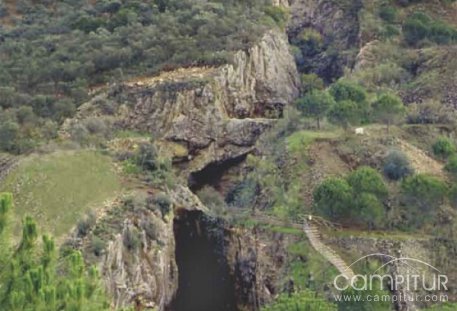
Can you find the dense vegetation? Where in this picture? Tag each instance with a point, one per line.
(52, 51)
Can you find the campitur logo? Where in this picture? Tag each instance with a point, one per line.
(416, 276)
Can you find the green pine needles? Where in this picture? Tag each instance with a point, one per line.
(34, 278)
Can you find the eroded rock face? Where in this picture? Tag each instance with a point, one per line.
(221, 115)
(138, 265)
(215, 113)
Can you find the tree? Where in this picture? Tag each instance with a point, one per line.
(311, 82)
(332, 198)
(345, 90)
(315, 104)
(367, 180)
(344, 113)
(369, 209)
(388, 108)
(397, 165)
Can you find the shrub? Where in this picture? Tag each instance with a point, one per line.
(211, 198)
(146, 158)
(416, 28)
(131, 238)
(86, 224)
(388, 13)
(243, 194)
(397, 165)
(163, 202)
(451, 165)
(420, 26)
(443, 147)
(98, 245)
(423, 191)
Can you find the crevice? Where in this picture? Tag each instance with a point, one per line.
(205, 281)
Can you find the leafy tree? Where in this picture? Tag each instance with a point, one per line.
(369, 209)
(345, 90)
(443, 147)
(367, 180)
(344, 113)
(388, 108)
(397, 165)
(311, 82)
(301, 301)
(315, 104)
(332, 198)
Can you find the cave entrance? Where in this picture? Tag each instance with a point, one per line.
(214, 174)
(205, 282)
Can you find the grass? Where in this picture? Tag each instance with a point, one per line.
(305, 262)
(301, 140)
(387, 235)
(57, 189)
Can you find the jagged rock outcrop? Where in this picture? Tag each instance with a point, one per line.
(214, 113)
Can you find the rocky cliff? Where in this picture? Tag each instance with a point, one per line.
(213, 113)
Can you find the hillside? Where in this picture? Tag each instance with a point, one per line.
(229, 155)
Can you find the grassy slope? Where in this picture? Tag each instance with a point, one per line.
(57, 189)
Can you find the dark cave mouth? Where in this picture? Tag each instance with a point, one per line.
(213, 173)
(205, 282)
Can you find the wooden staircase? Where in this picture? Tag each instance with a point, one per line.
(312, 232)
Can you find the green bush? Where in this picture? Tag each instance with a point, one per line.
(451, 165)
(163, 202)
(397, 165)
(131, 238)
(388, 13)
(420, 26)
(423, 192)
(443, 147)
